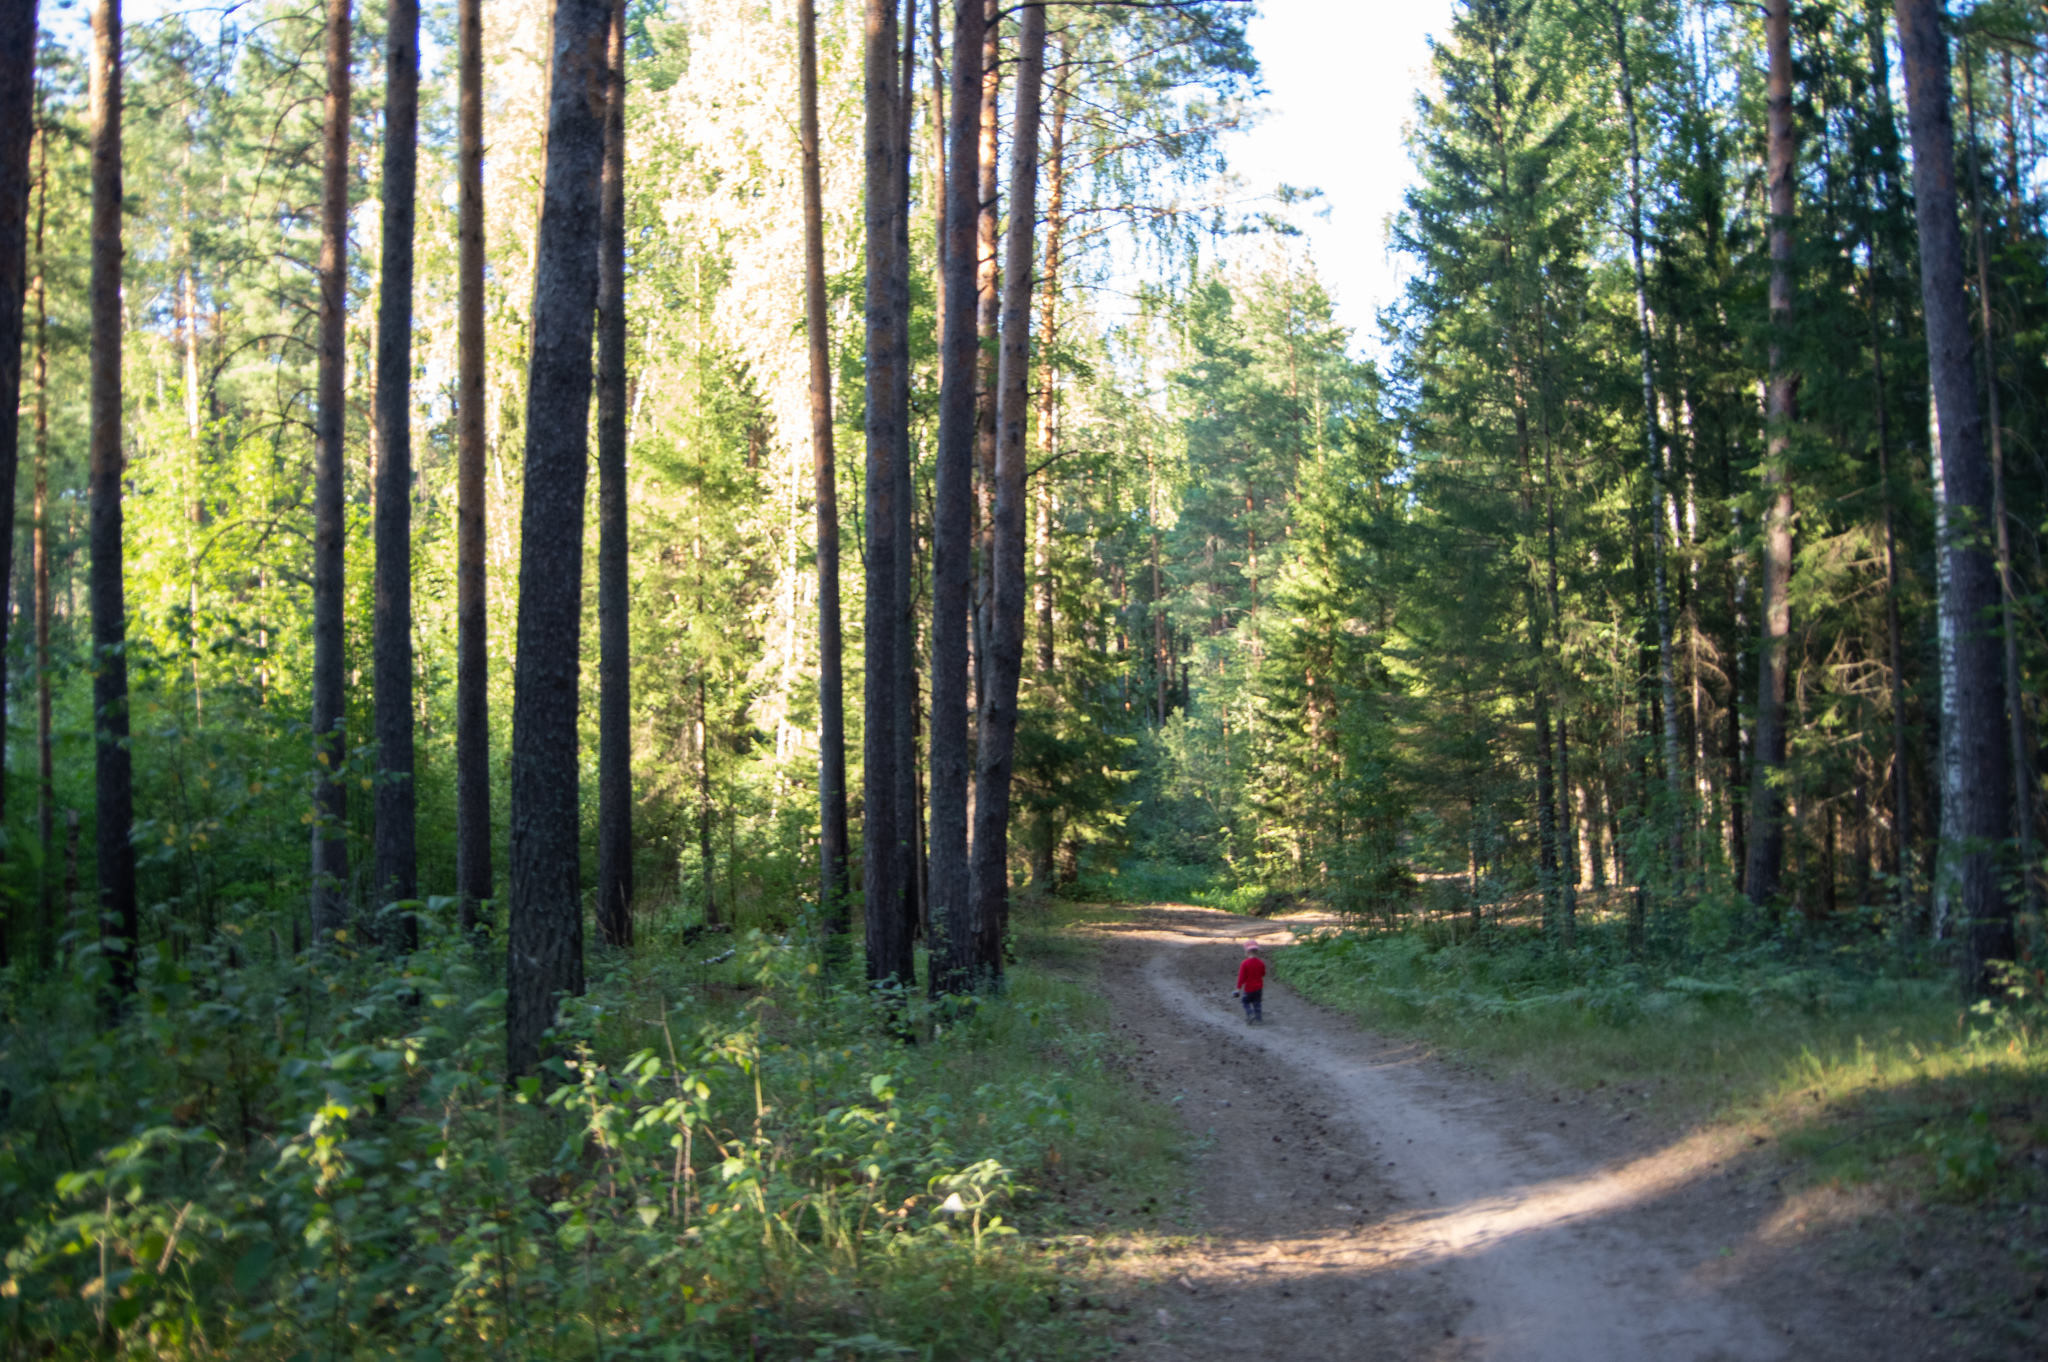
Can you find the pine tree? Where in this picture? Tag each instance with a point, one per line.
(615, 672)
(114, 780)
(1002, 659)
(330, 737)
(545, 937)
(472, 661)
(397, 867)
(1975, 781)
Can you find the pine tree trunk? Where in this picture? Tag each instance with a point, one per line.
(1975, 776)
(884, 833)
(113, 779)
(473, 880)
(330, 789)
(1004, 659)
(832, 853)
(953, 953)
(614, 641)
(2016, 711)
(911, 905)
(1767, 797)
(46, 789)
(545, 958)
(396, 857)
(17, 131)
(1900, 863)
(1048, 388)
(988, 305)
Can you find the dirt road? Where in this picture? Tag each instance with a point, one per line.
(1362, 1200)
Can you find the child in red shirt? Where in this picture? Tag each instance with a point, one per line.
(1251, 983)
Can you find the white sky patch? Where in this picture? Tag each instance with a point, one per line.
(1341, 77)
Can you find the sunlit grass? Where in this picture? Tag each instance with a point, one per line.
(1856, 1074)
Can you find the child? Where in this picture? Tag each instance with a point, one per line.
(1251, 983)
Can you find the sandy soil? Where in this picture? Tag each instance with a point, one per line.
(1361, 1199)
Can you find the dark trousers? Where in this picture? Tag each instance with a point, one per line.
(1252, 998)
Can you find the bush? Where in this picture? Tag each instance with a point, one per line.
(319, 1156)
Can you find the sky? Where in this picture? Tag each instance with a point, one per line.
(1341, 77)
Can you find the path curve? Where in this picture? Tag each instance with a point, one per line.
(1365, 1201)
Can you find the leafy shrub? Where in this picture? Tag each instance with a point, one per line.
(758, 1182)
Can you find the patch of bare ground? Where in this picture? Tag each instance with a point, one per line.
(1359, 1198)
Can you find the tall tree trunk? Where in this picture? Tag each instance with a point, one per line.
(885, 835)
(1900, 863)
(988, 305)
(953, 954)
(545, 940)
(113, 768)
(832, 854)
(1767, 796)
(2016, 711)
(46, 787)
(17, 130)
(1974, 806)
(1653, 461)
(1048, 346)
(396, 856)
(614, 641)
(911, 906)
(1003, 662)
(473, 880)
(330, 741)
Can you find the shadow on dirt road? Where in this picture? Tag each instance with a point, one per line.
(1363, 1200)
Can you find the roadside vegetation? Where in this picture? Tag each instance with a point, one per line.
(734, 1155)
(1851, 1049)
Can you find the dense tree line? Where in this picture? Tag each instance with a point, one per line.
(1632, 566)
(347, 375)
(1686, 543)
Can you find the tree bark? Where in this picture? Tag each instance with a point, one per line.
(113, 770)
(17, 131)
(1975, 779)
(832, 854)
(46, 784)
(911, 905)
(545, 940)
(330, 741)
(1767, 797)
(885, 833)
(988, 306)
(473, 880)
(396, 854)
(2016, 712)
(1048, 389)
(1003, 662)
(953, 953)
(614, 641)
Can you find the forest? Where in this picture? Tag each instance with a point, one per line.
(603, 593)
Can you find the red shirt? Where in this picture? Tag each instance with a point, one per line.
(1251, 975)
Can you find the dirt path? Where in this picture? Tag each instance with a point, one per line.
(1361, 1200)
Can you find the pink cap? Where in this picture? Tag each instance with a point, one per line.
(1252, 947)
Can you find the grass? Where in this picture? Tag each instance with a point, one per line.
(1860, 1072)
(278, 1156)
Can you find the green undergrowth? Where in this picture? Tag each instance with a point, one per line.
(733, 1155)
(1152, 881)
(1857, 1068)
